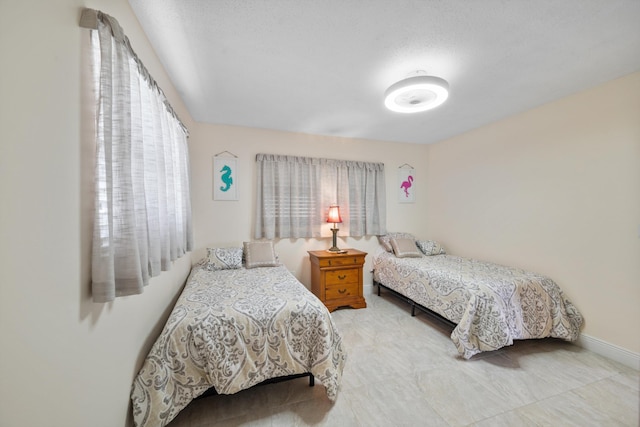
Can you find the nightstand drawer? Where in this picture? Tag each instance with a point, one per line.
(338, 277)
(339, 261)
(341, 290)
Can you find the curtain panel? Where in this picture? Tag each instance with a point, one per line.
(142, 191)
(294, 194)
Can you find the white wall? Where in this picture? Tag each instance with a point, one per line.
(64, 361)
(555, 190)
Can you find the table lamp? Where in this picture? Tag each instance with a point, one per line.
(334, 217)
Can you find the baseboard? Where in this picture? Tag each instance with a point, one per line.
(367, 289)
(611, 351)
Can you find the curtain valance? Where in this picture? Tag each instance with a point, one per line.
(319, 161)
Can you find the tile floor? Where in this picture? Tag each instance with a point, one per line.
(404, 371)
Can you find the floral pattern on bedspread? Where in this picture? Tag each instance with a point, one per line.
(491, 304)
(231, 330)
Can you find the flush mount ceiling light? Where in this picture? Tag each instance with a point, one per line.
(415, 94)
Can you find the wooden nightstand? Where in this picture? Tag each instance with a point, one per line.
(336, 279)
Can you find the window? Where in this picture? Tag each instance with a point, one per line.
(142, 203)
(294, 195)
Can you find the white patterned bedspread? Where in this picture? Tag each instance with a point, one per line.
(491, 304)
(233, 329)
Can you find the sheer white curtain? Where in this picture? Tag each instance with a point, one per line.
(142, 201)
(294, 194)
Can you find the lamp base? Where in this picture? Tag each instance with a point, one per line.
(337, 251)
(334, 248)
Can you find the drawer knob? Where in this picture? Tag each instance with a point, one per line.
(344, 276)
(342, 291)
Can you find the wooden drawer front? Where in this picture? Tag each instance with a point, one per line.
(339, 277)
(337, 262)
(341, 290)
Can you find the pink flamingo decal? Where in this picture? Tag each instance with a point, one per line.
(406, 184)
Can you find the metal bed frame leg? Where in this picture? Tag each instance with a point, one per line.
(312, 380)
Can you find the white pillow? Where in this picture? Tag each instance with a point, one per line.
(260, 254)
(223, 258)
(430, 247)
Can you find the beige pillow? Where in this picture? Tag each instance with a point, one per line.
(260, 254)
(405, 248)
(385, 240)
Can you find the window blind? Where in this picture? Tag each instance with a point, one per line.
(294, 194)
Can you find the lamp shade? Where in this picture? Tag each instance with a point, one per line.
(334, 214)
(415, 94)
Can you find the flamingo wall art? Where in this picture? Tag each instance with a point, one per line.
(406, 190)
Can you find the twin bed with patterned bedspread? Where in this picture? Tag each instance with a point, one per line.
(232, 329)
(491, 304)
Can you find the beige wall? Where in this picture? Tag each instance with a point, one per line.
(555, 190)
(222, 223)
(64, 361)
(67, 361)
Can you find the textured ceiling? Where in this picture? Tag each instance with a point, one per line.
(322, 66)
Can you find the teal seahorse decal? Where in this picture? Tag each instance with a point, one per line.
(226, 178)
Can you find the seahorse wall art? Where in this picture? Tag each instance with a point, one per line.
(406, 185)
(226, 178)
